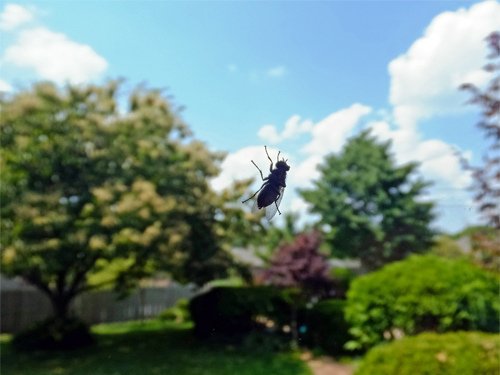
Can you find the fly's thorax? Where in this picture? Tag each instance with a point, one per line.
(277, 176)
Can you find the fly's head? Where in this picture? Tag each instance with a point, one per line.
(282, 165)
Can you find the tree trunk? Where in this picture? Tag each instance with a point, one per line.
(294, 328)
(60, 306)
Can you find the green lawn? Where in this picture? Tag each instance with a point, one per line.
(152, 347)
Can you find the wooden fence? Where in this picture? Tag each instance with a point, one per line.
(22, 307)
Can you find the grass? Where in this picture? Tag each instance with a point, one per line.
(153, 347)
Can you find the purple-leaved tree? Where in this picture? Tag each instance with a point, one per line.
(486, 175)
(302, 268)
(300, 265)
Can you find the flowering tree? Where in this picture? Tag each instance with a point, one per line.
(90, 189)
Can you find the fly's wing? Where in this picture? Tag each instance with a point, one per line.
(255, 208)
(273, 207)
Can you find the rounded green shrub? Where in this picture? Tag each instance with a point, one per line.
(464, 353)
(54, 334)
(421, 293)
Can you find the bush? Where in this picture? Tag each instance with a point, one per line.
(326, 328)
(178, 313)
(54, 334)
(464, 353)
(233, 311)
(421, 293)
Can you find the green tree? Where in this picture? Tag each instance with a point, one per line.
(91, 182)
(369, 207)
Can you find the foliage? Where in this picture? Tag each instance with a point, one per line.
(369, 206)
(326, 327)
(235, 311)
(275, 236)
(54, 334)
(148, 348)
(464, 353)
(486, 177)
(241, 226)
(342, 278)
(445, 246)
(260, 315)
(472, 230)
(178, 313)
(300, 265)
(88, 184)
(483, 246)
(418, 294)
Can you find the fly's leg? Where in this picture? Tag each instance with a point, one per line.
(276, 203)
(254, 194)
(278, 157)
(261, 175)
(271, 167)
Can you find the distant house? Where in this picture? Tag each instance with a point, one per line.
(247, 257)
(349, 263)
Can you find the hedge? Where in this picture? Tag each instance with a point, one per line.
(464, 353)
(326, 327)
(232, 310)
(421, 293)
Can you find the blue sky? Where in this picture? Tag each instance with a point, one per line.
(301, 77)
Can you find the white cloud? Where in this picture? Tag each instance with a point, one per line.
(15, 15)
(437, 158)
(293, 127)
(439, 162)
(277, 71)
(305, 172)
(269, 134)
(55, 57)
(330, 134)
(299, 206)
(424, 80)
(4, 86)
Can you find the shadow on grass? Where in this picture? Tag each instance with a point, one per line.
(152, 347)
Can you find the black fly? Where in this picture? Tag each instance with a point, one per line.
(271, 191)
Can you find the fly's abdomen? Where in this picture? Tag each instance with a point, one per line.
(267, 196)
